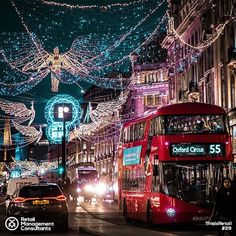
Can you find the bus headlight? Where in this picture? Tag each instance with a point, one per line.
(88, 188)
(170, 212)
(100, 189)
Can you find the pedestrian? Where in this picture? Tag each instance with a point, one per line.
(223, 209)
(216, 127)
(73, 190)
(59, 183)
(66, 188)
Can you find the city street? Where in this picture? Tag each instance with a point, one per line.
(103, 218)
(118, 117)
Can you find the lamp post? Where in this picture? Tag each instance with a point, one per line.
(65, 109)
(62, 115)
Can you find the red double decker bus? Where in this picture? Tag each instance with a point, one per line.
(172, 161)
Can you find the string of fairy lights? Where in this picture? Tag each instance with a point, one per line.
(107, 6)
(203, 45)
(26, 168)
(194, 51)
(38, 48)
(75, 65)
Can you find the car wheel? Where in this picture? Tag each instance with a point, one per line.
(149, 213)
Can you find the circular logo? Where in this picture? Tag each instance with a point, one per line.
(11, 223)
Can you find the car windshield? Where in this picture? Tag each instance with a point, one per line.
(195, 183)
(194, 124)
(40, 191)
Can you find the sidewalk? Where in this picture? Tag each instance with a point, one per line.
(109, 229)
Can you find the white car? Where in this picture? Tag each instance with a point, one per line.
(15, 183)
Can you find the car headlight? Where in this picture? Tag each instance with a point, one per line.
(88, 188)
(100, 188)
(171, 212)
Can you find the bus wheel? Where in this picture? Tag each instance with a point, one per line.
(149, 213)
(125, 211)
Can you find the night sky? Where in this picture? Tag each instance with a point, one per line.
(59, 26)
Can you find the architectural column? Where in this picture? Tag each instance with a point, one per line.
(139, 106)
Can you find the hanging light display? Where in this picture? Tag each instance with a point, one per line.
(89, 58)
(26, 168)
(18, 111)
(103, 7)
(105, 114)
(18, 114)
(205, 44)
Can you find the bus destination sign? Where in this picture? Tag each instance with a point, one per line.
(132, 156)
(206, 149)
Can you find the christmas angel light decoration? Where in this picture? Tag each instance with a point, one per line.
(84, 60)
(18, 114)
(105, 114)
(55, 63)
(18, 111)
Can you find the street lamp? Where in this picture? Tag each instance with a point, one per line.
(63, 114)
(63, 154)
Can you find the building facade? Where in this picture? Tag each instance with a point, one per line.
(201, 45)
(148, 89)
(201, 51)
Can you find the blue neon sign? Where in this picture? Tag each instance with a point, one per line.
(53, 114)
(131, 156)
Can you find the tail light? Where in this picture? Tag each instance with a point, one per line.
(61, 198)
(19, 199)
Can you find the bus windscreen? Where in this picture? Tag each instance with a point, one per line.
(189, 124)
(87, 175)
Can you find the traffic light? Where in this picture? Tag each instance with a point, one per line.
(60, 170)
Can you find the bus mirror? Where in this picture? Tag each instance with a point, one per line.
(155, 170)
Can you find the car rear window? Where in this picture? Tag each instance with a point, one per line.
(40, 191)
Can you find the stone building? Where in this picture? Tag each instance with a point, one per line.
(148, 89)
(201, 45)
(201, 51)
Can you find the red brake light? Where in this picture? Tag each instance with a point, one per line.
(61, 198)
(19, 199)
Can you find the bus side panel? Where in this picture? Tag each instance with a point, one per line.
(136, 207)
(167, 209)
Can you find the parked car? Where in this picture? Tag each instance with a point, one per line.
(44, 201)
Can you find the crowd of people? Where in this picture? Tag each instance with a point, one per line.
(204, 126)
